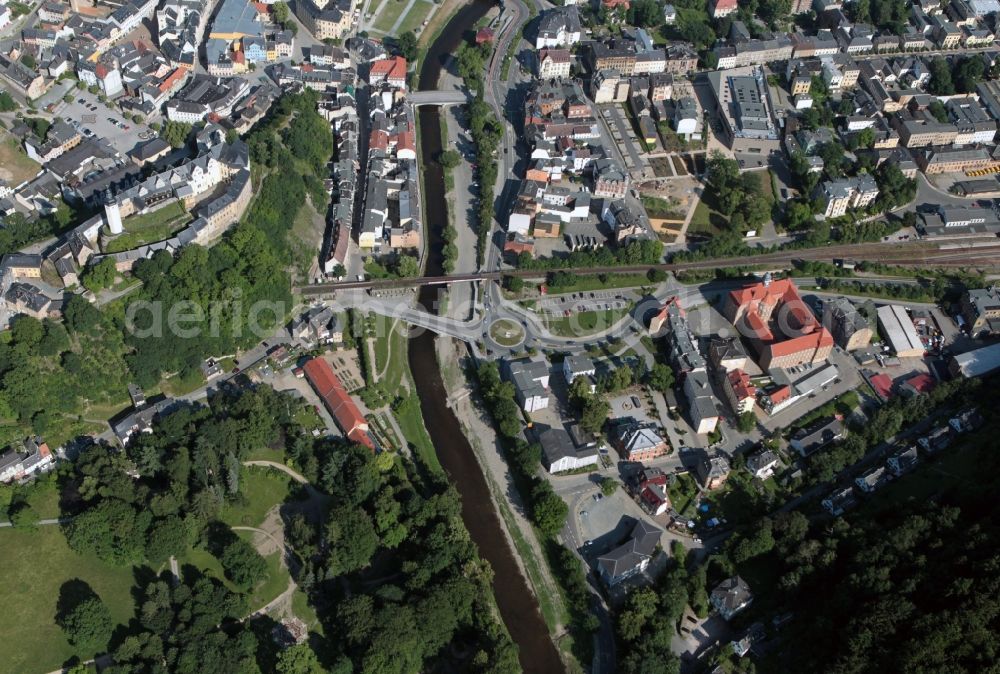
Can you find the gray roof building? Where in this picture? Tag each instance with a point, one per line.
(632, 557)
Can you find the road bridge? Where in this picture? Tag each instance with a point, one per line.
(439, 97)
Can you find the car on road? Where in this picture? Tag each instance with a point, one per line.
(598, 496)
(80, 101)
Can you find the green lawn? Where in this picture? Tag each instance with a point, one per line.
(150, 227)
(584, 322)
(390, 12)
(391, 354)
(15, 165)
(601, 282)
(43, 497)
(263, 488)
(411, 422)
(415, 17)
(178, 386)
(657, 207)
(276, 581)
(35, 565)
(705, 221)
(682, 491)
(506, 332)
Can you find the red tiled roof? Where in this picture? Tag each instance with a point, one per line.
(336, 398)
(391, 69)
(882, 384)
(172, 79)
(378, 140)
(740, 381)
(484, 35)
(406, 141)
(810, 342)
(780, 395)
(922, 383)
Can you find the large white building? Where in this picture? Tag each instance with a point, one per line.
(559, 27)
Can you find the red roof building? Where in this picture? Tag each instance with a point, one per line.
(781, 326)
(484, 36)
(391, 70)
(338, 401)
(721, 8)
(921, 383)
(882, 384)
(614, 4)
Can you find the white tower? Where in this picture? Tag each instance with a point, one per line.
(113, 216)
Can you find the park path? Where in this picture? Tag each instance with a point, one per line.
(402, 15)
(40, 523)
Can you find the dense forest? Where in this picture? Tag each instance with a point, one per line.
(381, 552)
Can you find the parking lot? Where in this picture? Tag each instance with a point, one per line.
(93, 118)
(599, 300)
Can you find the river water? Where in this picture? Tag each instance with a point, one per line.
(516, 602)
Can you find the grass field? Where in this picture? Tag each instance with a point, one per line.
(391, 11)
(178, 385)
(601, 282)
(35, 565)
(506, 332)
(391, 355)
(705, 221)
(150, 227)
(15, 165)
(264, 488)
(415, 17)
(412, 425)
(585, 322)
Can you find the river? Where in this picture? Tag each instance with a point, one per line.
(516, 601)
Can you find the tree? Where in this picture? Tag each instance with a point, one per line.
(100, 276)
(86, 621)
(969, 71)
(656, 275)
(407, 45)
(408, 266)
(449, 159)
(7, 102)
(548, 510)
(645, 13)
(661, 377)
(298, 659)
(243, 564)
(176, 133)
(609, 486)
(167, 537)
(940, 83)
(936, 108)
(746, 422)
(515, 284)
(280, 10)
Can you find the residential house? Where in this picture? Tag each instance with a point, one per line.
(562, 450)
(818, 435)
(559, 27)
(730, 597)
(873, 479)
(938, 439)
(554, 63)
(574, 366)
(636, 441)
(727, 354)
(632, 557)
(903, 461)
(981, 309)
(849, 328)
(966, 420)
(712, 471)
(338, 401)
(25, 458)
(741, 393)
(840, 501)
(531, 382)
(763, 464)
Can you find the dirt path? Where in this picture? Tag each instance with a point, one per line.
(479, 430)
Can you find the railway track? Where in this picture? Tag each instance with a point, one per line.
(910, 254)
